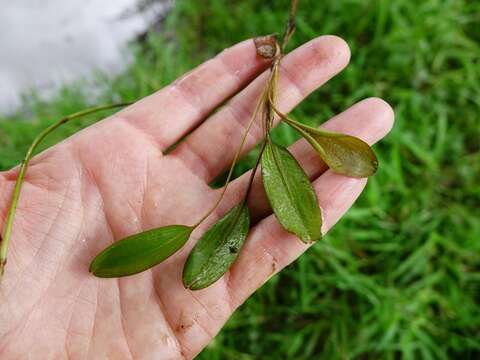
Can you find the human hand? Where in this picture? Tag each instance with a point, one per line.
(114, 179)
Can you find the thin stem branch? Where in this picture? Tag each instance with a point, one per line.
(291, 24)
(302, 126)
(279, 113)
(272, 94)
(260, 102)
(255, 167)
(7, 232)
(299, 126)
(268, 96)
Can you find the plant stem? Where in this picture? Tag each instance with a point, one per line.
(273, 81)
(282, 116)
(271, 91)
(260, 102)
(298, 127)
(255, 167)
(5, 240)
(272, 94)
(301, 127)
(291, 24)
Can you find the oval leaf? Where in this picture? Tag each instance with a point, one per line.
(217, 249)
(344, 154)
(290, 193)
(140, 252)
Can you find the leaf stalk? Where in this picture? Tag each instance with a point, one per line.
(7, 231)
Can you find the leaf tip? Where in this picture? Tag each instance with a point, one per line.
(190, 285)
(190, 282)
(94, 269)
(186, 284)
(91, 268)
(195, 286)
(310, 240)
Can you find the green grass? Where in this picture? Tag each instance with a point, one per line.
(399, 276)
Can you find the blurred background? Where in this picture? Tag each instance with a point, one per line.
(399, 276)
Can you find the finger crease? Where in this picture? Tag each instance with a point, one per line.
(239, 113)
(291, 79)
(200, 163)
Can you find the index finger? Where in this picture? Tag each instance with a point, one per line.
(170, 113)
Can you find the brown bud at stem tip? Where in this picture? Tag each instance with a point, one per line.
(266, 46)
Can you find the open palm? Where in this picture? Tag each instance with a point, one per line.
(115, 178)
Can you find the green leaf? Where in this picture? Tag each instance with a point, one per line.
(291, 194)
(217, 249)
(344, 154)
(140, 252)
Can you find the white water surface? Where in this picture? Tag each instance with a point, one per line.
(48, 43)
